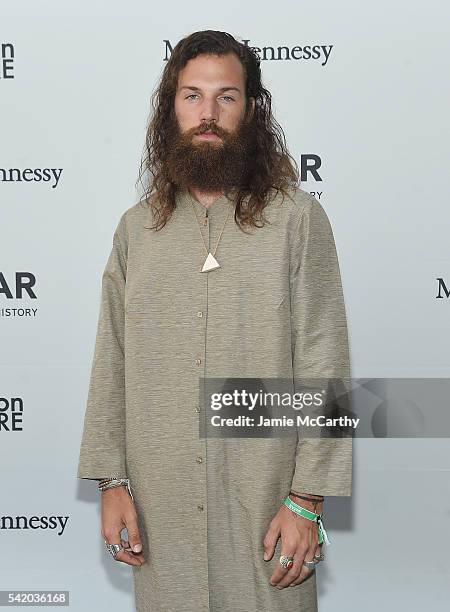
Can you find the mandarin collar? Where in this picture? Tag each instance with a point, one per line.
(217, 207)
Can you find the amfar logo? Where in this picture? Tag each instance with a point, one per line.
(11, 412)
(309, 166)
(36, 175)
(440, 287)
(23, 283)
(308, 52)
(7, 61)
(34, 522)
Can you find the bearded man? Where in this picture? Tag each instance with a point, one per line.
(225, 268)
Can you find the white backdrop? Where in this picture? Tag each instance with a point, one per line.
(75, 86)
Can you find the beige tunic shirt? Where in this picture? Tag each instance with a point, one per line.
(274, 308)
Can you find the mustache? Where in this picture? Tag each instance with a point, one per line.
(209, 127)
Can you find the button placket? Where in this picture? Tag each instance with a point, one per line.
(201, 314)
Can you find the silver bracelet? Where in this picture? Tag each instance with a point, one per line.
(103, 481)
(111, 483)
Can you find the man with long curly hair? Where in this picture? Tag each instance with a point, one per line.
(225, 268)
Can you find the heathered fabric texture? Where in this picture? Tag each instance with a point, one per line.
(274, 308)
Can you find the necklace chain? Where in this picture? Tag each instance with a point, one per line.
(200, 229)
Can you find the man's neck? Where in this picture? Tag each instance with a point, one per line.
(206, 198)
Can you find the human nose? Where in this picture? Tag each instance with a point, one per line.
(209, 110)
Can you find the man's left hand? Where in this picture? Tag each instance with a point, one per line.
(299, 539)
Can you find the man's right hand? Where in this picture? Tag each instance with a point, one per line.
(118, 512)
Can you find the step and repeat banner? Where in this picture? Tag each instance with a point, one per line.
(361, 91)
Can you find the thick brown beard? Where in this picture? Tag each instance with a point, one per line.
(210, 166)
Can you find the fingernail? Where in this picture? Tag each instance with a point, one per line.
(137, 548)
(266, 556)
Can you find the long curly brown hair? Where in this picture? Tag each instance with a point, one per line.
(271, 168)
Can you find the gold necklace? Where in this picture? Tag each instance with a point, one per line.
(211, 262)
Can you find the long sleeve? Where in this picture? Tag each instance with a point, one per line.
(102, 448)
(320, 346)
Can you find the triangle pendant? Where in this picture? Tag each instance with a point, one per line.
(211, 263)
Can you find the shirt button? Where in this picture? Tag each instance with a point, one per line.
(197, 409)
(200, 507)
(199, 459)
(198, 361)
(199, 313)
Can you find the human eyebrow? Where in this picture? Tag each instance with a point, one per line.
(221, 89)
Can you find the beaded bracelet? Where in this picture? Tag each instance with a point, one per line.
(312, 499)
(312, 516)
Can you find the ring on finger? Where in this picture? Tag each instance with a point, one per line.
(126, 545)
(310, 564)
(287, 561)
(113, 549)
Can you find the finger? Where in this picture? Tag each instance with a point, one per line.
(129, 558)
(288, 547)
(270, 541)
(305, 573)
(295, 572)
(112, 535)
(126, 544)
(134, 537)
(123, 555)
(302, 571)
(319, 551)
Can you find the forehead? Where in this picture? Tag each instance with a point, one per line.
(212, 71)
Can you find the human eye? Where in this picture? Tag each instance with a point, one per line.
(190, 96)
(229, 97)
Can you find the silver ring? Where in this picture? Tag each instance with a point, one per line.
(310, 564)
(287, 561)
(320, 557)
(113, 549)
